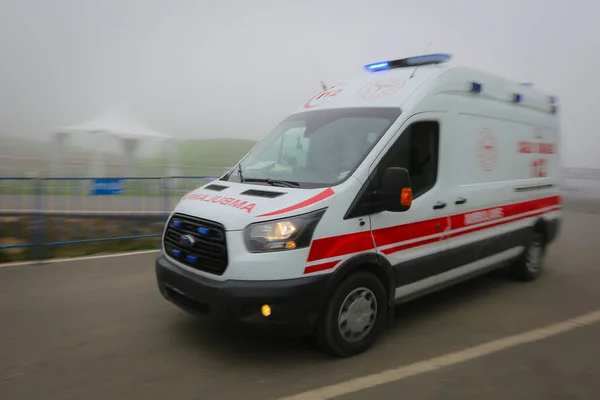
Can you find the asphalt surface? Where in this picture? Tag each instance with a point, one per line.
(99, 329)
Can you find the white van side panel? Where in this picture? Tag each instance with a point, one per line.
(496, 150)
(489, 155)
(337, 239)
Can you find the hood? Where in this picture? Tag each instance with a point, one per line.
(236, 205)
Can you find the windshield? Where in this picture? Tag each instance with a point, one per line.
(315, 148)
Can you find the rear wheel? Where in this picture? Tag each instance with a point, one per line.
(354, 317)
(530, 265)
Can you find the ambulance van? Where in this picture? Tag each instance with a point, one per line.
(413, 176)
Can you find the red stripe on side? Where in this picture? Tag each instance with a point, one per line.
(320, 267)
(321, 196)
(340, 245)
(407, 246)
(480, 227)
(356, 242)
(476, 228)
(459, 221)
(414, 230)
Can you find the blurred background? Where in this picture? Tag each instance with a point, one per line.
(112, 110)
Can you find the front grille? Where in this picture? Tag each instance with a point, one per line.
(197, 243)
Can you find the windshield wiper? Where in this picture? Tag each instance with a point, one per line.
(274, 182)
(239, 171)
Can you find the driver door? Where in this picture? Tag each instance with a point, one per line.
(413, 241)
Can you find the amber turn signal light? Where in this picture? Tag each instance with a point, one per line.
(406, 197)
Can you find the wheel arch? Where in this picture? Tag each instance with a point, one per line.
(369, 262)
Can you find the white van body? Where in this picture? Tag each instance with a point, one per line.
(482, 156)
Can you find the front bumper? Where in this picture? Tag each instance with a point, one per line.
(295, 303)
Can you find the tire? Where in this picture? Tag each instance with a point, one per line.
(366, 292)
(530, 264)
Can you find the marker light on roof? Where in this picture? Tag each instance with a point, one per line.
(408, 62)
(553, 99)
(516, 98)
(526, 83)
(476, 87)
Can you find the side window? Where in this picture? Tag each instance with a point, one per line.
(416, 150)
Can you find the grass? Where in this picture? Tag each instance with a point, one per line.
(199, 157)
(81, 250)
(205, 157)
(215, 153)
(22, 231)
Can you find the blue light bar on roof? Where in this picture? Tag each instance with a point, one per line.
(378, 66)
(429, 59)
(409, 62)
(517, 98)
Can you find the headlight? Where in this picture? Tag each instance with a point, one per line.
(282, 234)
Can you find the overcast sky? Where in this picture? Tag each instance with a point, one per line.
(226, 68)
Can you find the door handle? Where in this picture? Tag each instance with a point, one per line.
(460, 200)
(439, 205)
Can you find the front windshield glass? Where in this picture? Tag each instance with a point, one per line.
(315, 148)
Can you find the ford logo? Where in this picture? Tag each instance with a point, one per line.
(187, 240)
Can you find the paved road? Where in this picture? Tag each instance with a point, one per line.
(99, 329)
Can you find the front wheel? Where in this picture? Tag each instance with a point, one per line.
(354, 317)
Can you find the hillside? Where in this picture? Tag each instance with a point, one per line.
(219, 153)
(196, 157)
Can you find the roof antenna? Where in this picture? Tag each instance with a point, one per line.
(323, 85)
(415, 70)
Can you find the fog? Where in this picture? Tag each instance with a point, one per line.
(199, 69)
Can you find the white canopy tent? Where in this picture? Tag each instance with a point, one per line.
(115, 125)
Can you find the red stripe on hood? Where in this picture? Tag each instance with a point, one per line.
(321, 196)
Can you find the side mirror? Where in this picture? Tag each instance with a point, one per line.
(396, 194)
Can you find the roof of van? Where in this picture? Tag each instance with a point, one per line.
(392, 87)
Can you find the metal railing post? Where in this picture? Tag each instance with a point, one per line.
(165, 196)
(39, 222)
